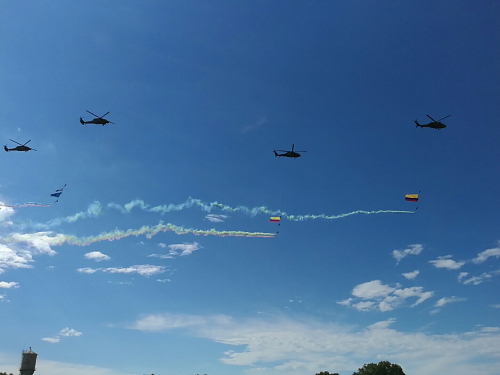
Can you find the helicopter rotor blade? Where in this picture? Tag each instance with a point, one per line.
(93, 114)
(431, 118)
(293, 145)
(300, 151)
(112, 123)
(17, 142)
(32, 149)
(27, 142)
(444, 117)
(104, 114)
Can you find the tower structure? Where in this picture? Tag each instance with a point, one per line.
(28, 363)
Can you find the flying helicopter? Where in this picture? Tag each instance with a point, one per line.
(288, 154)
(434, 124)
(97, 121)
(19, 148)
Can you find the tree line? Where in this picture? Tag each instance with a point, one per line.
(381, 368)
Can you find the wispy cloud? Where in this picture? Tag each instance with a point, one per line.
(14, 258)
(411, 275)
(5, 212)
(462, 275)
(482, 256)
(69, 332)
(254, 126)
(476, 280)
(97, 256)
(376, 295)
(216, 218)
(446, 262)
(297, 347)
(143, 270)
(65, 332)
(180, 249)
(411, 250)
(445, 300)
(52, 340)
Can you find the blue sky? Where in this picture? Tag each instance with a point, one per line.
(124, 275)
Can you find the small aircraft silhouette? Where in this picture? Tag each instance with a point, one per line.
(434, 124)
(97, 121)
(288, 154)
(19, 148)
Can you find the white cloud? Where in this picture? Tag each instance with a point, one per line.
(10, 258)
(143, 270)
(444, 301)
(87, 270)
(445, 262)
(216, 218)
(462, 275)
(69, 332)
(5, 212)
(161, 256)
(496, 306)
(372, 289)
(482, 256)
(184, 248)
(385, 296)
(411, 275)
(163, 280)
(41, 241)
(363, 306)
(279, 345)
(52, 340)
(180, 249)
(97, 256)
(476, 280)
(490, 329)
(6, 285)
(412, 250)
(346, 302)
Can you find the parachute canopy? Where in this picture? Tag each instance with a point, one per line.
(275, 219)
(411, 197)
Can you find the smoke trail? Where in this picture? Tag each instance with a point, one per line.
(190, 202)
(28, 204)
(148, 231)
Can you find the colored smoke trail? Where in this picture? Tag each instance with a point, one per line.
(191, 202)
(148, 231)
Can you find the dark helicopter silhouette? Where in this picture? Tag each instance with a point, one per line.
(19, 148)
(288, 154)
(97, 121)
(434, 124)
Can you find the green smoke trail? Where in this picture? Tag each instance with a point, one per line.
(148, 231)
(208, 207)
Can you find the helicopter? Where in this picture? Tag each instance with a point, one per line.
(19, 148)
(97, 121)
(288, 154)
(434, 124)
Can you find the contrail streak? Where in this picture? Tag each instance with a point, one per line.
(208, 207)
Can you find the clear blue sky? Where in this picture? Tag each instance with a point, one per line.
(201, 93)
